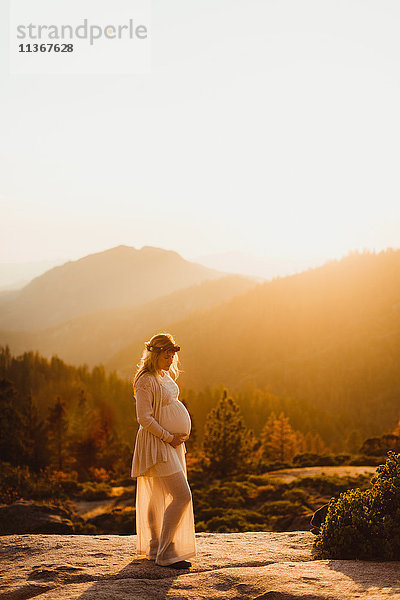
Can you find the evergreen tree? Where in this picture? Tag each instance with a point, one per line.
(80, 417)
(308, 442)
(57, 430)
(280, 441)
(228, 444)
(354, 441)
(299, 442)
(36, 438)
(82, 446)
(266, 434)
(319, 446)
(12, 439)
(5, 360)
(85, 455)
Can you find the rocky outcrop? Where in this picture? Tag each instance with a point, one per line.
(29, 517)
(234, 566)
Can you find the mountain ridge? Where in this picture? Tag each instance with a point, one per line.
(94, 337)
(329, 336)
(115, 277)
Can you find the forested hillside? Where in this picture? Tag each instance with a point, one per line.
(95, 337)
(68, 435)
(321, 347)
(327, 339)
(68, 417)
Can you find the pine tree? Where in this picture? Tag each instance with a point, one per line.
(80, 417)
(107, 443)
(12, 440)
(318, 445)
(57, 429)
(35, 434)
(280, 441)
(227, 444)
(266, 435)
(299, 442)
(82, 445)
(5, 360)
(308, 442)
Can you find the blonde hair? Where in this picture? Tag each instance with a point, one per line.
(152, 349)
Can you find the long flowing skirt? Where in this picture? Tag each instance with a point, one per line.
(164, 511)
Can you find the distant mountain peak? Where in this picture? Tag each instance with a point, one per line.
(121, 248)
(124, 250)
(118, 276)
(154, 251)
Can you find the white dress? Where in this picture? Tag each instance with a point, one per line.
(164, 507)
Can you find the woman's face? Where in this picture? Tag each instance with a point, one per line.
(165, 359)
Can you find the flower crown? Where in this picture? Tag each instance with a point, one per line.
(169, 346)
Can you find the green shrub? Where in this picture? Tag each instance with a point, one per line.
(85, 529)
(233, 521)
(278, 466)
(281, 508)
(310, 459)
(329, 485)
(19, 482)
(120, 521)
(266, 492)
(206, 513)
(95, 491)
(365, 524)
(230, 522)
(363, 460)
(122, 482)
(380, 446)
(70, 486)
(201, 527)
(306, 459)
(280, 514)
(229, 494)
(342, 459)
(195, 475)
(296, 495)
(259, 479)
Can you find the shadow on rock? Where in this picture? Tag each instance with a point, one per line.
(369, 574)
(137, 580)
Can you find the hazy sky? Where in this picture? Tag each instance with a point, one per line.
(268, 126)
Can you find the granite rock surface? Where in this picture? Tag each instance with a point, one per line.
(234, 566)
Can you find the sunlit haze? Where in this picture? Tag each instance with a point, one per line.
(264, 128)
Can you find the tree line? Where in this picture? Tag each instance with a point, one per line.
(76, 420)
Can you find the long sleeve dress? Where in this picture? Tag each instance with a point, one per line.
(164, 507)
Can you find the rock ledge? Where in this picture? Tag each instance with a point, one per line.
(239, 566)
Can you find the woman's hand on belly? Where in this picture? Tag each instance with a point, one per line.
(179, 438)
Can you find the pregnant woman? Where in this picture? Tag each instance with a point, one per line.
(164, 507)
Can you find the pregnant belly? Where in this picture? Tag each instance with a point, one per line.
(175, 418)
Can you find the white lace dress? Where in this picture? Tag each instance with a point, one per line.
(164, 507)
